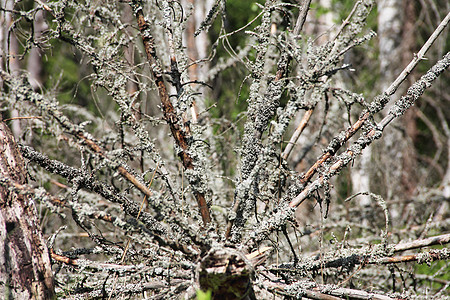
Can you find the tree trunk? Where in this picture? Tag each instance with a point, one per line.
(34, 64)
(395, 20)
(25, 269)
(9, 51)
(227, 274)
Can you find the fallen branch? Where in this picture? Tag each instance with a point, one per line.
(312, 290)
(425, 257)
(435, 240)
(373, 255)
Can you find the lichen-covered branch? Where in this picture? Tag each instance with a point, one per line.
(87, 181)
(285, 212)
(23, 92)
(292, 104)
(172, 118)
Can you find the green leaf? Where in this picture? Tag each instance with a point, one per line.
(201, 295)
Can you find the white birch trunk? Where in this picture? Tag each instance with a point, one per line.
(390, 24)
(34, 63)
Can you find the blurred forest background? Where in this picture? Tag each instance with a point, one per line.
(78, 87)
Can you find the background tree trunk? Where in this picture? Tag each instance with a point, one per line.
(9, 51)
(395, 20)
(25, 270)
(35, 67)
(197, 49)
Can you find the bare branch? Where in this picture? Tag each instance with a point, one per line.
(170, 115)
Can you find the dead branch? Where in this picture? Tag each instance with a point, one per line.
(376, 106)
(170, 115)
(414, 92)
(435, 240)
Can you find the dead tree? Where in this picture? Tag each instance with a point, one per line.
(152, 196)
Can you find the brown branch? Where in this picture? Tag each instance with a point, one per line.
(170, 115)
(127, 175)
(63, 259)
(45, 6)
(335, 145)
(298, 131)
(426, 257)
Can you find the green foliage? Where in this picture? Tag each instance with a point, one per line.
(342, 8)
(201, 295)
(238, 14)
(319, 9)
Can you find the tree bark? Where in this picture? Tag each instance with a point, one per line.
(25, 269)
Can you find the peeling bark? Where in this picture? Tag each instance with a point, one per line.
(25, 269)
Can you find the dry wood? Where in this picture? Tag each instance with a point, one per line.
(25, 269)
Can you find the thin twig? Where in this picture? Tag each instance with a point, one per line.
(297, 133)
(22, 118)
(418, 57)
(301, 17)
